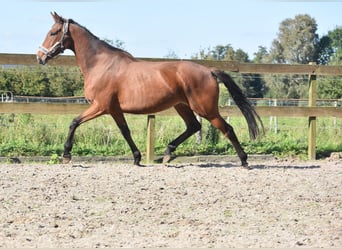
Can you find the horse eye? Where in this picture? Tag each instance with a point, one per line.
(53, 33)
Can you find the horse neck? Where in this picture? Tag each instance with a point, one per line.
(89, 49)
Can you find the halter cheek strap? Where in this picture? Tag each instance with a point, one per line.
(57, 45)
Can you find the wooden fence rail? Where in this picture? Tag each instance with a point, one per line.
(311, 111)
(77, 108)
(233, 66)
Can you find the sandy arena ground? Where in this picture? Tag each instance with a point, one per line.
(277, 204)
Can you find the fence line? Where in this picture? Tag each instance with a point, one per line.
(311, 111)
(7, 96)
(76, 108)
(233, 66)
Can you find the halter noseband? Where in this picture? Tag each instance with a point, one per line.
(57, 45)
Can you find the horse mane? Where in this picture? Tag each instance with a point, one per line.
(104, 43)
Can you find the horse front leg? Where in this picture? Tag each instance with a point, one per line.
(68, 144)
(91, 113)
(122, 124)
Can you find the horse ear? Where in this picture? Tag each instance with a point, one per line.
(56, 17)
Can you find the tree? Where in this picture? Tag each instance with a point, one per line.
(324, 50)
(261, 55)
(330, 46)
(336, 38)
(42, 81)
(171, 55)
(251, 84)
(296, 42)
(117, 43)
(331, 87)
(336, 45)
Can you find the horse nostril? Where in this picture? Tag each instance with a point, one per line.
(40, 61)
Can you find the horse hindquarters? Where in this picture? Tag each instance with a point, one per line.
(203, 99)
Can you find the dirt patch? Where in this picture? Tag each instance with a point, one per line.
(277, 204)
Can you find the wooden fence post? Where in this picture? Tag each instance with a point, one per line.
(151, 119)
(199, 132)
(275, 118)
(312, 119)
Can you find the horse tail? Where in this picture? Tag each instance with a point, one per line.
(241, 101)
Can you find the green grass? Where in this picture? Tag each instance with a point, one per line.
(44, 135)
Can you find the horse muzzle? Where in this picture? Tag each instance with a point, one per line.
(42, 55)
(42, 59)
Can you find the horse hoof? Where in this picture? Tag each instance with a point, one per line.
(66, 160)
(166, 159)
(245, 165)
(137, 158)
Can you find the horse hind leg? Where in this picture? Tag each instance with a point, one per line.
(229, 133)
(192, 126)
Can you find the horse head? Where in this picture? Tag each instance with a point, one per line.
(57, 40)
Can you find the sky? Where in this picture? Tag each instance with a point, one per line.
(155, 28)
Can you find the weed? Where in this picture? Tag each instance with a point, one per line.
(45, 135)
(54, 159)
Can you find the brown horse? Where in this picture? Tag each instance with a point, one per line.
(116, 83)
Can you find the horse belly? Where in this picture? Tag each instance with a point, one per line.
(149, 88)
(145, 102)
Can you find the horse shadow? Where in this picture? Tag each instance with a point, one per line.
(295, 166)
(221, 164)
(237, 165)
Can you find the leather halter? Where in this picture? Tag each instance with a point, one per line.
(58, 45)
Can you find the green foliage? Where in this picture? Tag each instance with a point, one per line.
(252, 85)
(116, 43)
(324, 50)
(330, 88)
(44, 135)
(261, 55)
(222, 53)
(42, 81)
(330, 47)
(286, 86)
(54, 159)
(212, 136)
(297, 41)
